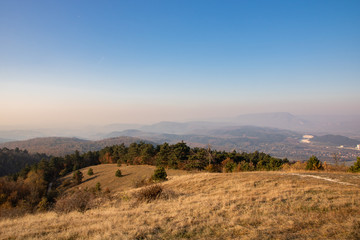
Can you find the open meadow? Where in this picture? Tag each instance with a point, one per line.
(246, 205)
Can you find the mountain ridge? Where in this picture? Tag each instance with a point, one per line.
(60, 146)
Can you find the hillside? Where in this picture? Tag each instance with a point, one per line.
(248, 205)
(336, 140)
(59, 146)
(105, 175)
(13, 160)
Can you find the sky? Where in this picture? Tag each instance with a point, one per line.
(74, 62)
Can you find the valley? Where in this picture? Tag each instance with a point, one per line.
(277, 142)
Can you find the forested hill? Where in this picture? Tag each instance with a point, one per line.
(12, 160)
(60, 146)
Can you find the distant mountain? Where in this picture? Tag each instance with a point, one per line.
(335, 140)
(347, 125)
(120, 127)
(20, 134)
(316, 124)
(222, 138)
(281, 120)
(260, 133)
(182, 128)
(59, 146)
(129, 133)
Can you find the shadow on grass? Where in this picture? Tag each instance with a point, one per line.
(124, 175)
(90, 179)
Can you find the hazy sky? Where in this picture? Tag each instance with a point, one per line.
(100, 62)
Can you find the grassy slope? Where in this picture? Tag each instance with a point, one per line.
(256, 205)
(105, 175)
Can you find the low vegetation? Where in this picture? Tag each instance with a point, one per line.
(314, 164)
(356, 166)
(90, 172)
(38, 185)
(118, 173)
(77, 201)
(78, 176)
(159, 174)
(244, 205)
(149, 193)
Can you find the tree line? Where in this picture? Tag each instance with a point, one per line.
(13, 160)
(181, 156)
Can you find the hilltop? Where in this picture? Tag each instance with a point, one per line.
(247, 205)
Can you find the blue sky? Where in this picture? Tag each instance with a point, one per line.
(97, 62)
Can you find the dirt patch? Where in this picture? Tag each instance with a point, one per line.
(322, 178)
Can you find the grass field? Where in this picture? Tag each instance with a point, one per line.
(105, 175)
(250, 205)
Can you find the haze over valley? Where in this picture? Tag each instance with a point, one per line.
(280, 134)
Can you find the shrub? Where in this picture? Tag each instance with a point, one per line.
(213, 168)
(118, 173)
(78, 201)
(107, 190)
(98, 187)
(245, 166)
(149, 193)
(159, 174)
(294, 166)
(356, 166)
(43, 204)
(90, 172)
(313, 163)
(228, 165)
(78, 176)
(141, 182)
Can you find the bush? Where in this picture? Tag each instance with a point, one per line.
(159, 174)
(98, 187)
(78, 176)
(43, 204)
(294, 166)
(212, 168)
(78, 201)
(141, 182)
(228, 165)
(149, 193)
(244, 166)
(356, 166)
(313, 163)
(90, 172)
(118, 173)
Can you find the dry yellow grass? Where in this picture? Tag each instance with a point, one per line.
(105, 175)
(256, 205)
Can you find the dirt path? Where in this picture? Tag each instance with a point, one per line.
(322, 178)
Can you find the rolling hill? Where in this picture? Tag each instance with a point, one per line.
(59, 146)
(277, 142)
(336, 140)
(248, 205)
